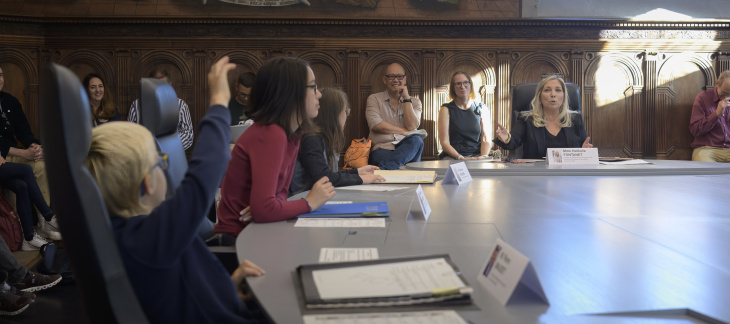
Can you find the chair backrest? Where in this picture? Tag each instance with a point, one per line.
(64, 110)
(160, 113)
(522, 95)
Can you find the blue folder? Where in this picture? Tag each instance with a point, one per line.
(366, 209)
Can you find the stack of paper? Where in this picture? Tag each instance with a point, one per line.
(401, 176)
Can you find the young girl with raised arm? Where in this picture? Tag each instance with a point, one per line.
(319, 151)
(283, 100)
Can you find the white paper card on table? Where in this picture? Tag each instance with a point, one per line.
(340, 222)
(572, 156)
(426, 317)
(457, 172)
(505, 269)
(330, 255)
(372, 188)
(424, 207)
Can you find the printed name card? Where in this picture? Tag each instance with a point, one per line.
(457, 172)
(572, 156)
(505, 269)
(423, 208)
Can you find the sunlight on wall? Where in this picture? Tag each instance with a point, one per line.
(661, 14)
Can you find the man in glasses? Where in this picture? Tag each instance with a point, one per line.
(184, 124)
(392, 116)
(239, 99)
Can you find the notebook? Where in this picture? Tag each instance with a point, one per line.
(365, 209)
(421, 280)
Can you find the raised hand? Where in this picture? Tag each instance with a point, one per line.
(586, 144)
(220, 93)
(502, 133)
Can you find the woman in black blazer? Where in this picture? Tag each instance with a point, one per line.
(550, 123)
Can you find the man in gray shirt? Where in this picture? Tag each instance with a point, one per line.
(393, 117)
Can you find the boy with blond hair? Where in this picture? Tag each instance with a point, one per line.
(176, 278)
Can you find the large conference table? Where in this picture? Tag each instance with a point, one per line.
(608, 247)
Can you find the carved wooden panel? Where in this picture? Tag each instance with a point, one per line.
(636, 102)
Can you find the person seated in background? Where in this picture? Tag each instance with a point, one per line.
(549, 124)
(392, 115)
(709, 122)
(256, 185)
(319, 149)
(17, 129)
(184, 124)
(462, 129)
(174, 275)
(17, 284)
(239, 102)
(103, 109)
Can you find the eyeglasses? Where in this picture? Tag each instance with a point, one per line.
(313, 86)
(392, 77)
(162, 163)
(243, 95)
(466, 84)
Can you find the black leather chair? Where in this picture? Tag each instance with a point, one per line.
(66, 123)
(522, 95)
(159, 112)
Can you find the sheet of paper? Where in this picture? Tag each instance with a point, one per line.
(427, 317)
(410, 178)
(338, 202)
(627, 162)
(340, 222)
(330, 255)
(372, 188)
(386, 280)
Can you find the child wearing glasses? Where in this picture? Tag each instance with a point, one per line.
(462, 128)
(320, 148)
(283, 101)
(175, 277)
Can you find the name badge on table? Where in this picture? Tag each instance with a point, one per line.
(424, 209)
(457, 172)
(505, 269)
(572, 156)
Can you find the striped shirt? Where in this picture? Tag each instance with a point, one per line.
(184, 125)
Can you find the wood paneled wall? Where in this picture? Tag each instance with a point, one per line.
(638, 80)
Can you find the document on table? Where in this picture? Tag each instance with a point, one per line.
(406, 278)
(372, 188)
(340, 222)
(427, 317)
(400, 176)
(626, 162)
(327, 255)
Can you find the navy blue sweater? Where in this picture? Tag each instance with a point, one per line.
(176, 278)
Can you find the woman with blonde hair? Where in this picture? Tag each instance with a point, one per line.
(549, 124)
(319, 150)
(462, 128)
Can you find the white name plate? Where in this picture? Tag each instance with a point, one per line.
(572, 156)
(423, 210)
(458, 173)
(505, 269)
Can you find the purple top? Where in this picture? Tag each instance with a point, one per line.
(707, 128)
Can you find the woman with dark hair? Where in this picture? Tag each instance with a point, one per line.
(549, 124)
(283, 101)
(462, 129)
(102, 104)
(319, 149)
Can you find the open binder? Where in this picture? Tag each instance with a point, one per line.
(366, 209)
(376, 283)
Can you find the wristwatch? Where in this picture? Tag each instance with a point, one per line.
(408, 100)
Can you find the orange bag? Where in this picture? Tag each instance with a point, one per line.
(357, 154)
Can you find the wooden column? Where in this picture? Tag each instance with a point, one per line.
(354, 129)
(650, 103)
(430, 111)
(123, 80)
(503, 109)
(200, 97)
